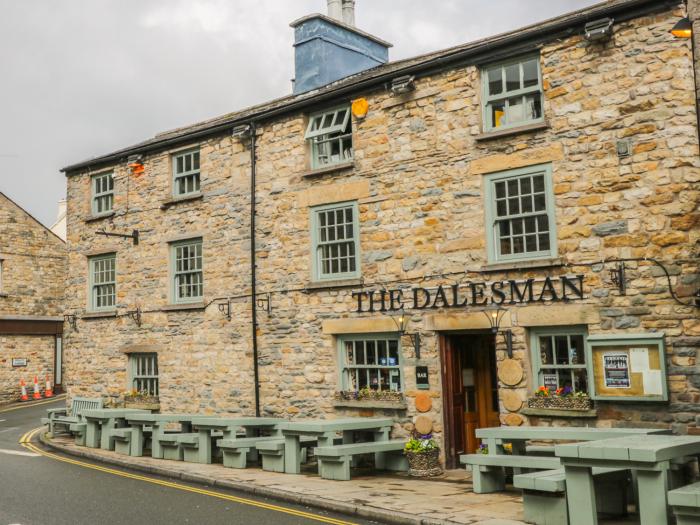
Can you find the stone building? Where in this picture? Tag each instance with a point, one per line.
(360, 236)
(32, 273)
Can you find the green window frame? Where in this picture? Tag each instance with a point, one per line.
(187, 271)
(561, 355)
(520, 217)
(371, 361)
(335, 241)
(329, 134)
(512, 93)
(143, 373)
(103, 282)
(186, 173)
(102, 193)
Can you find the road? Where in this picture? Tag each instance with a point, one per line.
(42, 490)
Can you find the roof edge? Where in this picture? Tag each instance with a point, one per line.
(31, 216)
(341, 24)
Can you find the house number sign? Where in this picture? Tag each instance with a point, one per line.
(19, 361)
(555, 289)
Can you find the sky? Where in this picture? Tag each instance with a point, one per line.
(80, 78)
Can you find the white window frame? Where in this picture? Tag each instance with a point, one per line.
(327, 129)
(102, 195)
(94, 285)
(143, 373)
(193, 174)
(505, 96)
(493, 221)
(318, 243)
(176, 273)
(348, 369)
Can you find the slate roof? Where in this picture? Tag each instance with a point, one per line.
(475, 51)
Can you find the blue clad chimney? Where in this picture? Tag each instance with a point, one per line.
(327, 49)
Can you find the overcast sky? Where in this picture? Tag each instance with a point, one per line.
(79, 78)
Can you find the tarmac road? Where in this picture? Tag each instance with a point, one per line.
(41, 490)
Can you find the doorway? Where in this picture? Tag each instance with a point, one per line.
(470, 391)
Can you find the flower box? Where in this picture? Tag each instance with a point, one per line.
(370, 395)
(561, 403)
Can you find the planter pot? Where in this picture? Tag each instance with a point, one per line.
(146, 404)
(424, 464)
(561, 403)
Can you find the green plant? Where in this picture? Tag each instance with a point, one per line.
(419, 444)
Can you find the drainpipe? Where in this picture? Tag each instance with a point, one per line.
(253, 301)
(693, 10)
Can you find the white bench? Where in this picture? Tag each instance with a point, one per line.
(544, 494)
(334, 462)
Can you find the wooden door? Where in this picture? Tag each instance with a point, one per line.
(480, 388)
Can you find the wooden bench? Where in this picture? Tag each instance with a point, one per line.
(79, 430)
(334, 462)
(123, 438)
(685, 502)
(544, 494)
(272, 452)
(171, 444)
(190, 443)
(488, 470)
(64, 418)
(237, 452)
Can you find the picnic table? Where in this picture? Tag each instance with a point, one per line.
(325, 432)
(99, 422)
(208, 427)
(140, 423)
(489, 470)
(649, 456)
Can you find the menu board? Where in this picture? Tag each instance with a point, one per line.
(628, 367)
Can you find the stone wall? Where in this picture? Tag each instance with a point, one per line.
(39, 352)
(418, 178)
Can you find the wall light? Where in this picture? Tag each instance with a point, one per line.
(494, 313)
(401, 323)
(683, 28)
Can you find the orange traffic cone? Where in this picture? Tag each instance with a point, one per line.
(49, 389)
(23, 385)
(36, 394)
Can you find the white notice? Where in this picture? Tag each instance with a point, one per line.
(652, 383)
(639, 359)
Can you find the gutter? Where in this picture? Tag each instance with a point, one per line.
(507, 45)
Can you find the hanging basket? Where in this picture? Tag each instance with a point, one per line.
(424, 464)
(561, 403)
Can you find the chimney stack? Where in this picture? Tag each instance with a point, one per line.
(335, 9)
(349, 12)
(342, 11)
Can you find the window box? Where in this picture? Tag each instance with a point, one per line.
(370, 395)
(554, 412)
(561, 403)
(379, 405)
(142, 403)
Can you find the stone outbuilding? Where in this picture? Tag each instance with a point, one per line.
(345, 250)
(32, 277)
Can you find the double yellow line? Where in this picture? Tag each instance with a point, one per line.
(26, 442)
(29, 404)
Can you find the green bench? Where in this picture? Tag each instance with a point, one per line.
(190, 444)
(123, 438)
(334, 462)
(64, 418)
(685, 502)
(237, 452)
(79, 430)
(544, 494)
(488, 470)
(272, 452)
(171, 444)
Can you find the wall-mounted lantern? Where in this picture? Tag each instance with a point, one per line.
(683, 28)
(494, 313)
(401, 323)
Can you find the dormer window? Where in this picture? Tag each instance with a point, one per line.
(512, 93)
(330, 136)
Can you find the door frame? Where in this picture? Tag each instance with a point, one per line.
(447, 373)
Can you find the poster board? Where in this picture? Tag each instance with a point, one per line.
(628, 367)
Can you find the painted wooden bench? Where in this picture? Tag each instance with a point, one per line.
(191, 442)
(64, 418)
(79, 430)
(544, 494)
(488, 470)
(272, 452)
(123, 437)
(334, 462)
(171, 444)
(237, 452)
(685, 502)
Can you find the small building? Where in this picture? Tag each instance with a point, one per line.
(32, 279)
(347, 249)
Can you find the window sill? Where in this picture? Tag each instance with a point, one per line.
(184, 306)
(93, 218)
(523, 265)
(554, 412)
(99, 315)
(340, 283)
(527, 128)
(389, 405)
(329, 169)
(177, 200)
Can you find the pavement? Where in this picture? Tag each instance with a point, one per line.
(386, 498)
(39, 488)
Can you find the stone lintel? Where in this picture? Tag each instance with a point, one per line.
(330, 193)
(556, 314)
(462, 321)
(359, 326)
(509, 161)
(141, 349)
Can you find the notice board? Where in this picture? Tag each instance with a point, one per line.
(628, 367)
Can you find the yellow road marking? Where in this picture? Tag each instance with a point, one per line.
(46, 401)
(25, 441)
